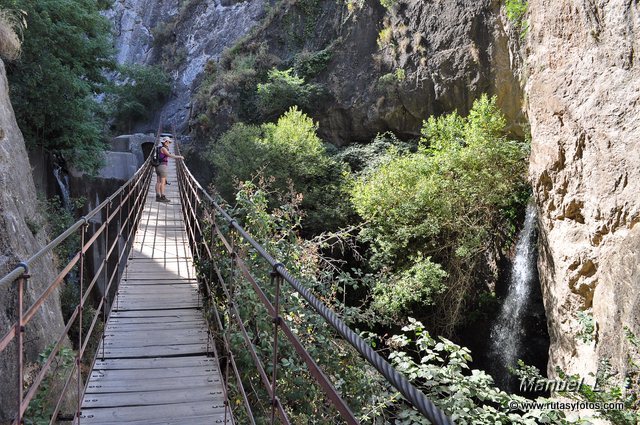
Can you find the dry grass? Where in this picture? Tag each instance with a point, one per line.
(11, 25)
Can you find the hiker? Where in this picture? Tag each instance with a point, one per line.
(162, 169)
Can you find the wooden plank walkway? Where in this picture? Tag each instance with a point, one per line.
(155, 368)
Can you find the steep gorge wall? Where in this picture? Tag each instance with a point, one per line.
(204, 29)
(19, 216)
(584, 96)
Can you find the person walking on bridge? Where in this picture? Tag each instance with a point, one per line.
(162, 169)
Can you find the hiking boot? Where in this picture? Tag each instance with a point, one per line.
(164, 199)
(158, 198)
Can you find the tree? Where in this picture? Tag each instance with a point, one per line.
(54, 84)
(138, 91)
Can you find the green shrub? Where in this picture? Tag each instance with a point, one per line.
(447, 201)
(364, 158)
(417, 286)
(388, 4)
(284, 90)
(310, 64)
(516, 11)
(289, 155)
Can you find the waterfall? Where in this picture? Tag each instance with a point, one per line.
(63, 184)
(508, 330)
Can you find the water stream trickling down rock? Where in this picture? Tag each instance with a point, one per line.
(508, 331)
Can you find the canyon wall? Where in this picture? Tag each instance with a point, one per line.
(583, 92)
(21, 236)
(180, 36)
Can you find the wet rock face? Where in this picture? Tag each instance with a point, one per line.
(203, 30)
(19, 220)
(584, 91)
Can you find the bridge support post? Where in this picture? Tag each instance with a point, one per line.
(276, 281)
(20, 329)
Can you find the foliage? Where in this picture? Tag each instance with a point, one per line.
(291, 157)
(385, 37)
(277, 230)
(516, 11)
(310, 64)
(58, 219)
(138, 92)
(364, 158)
(65, 52)
(588, 326)
(448, 201)
(392, 78)
(388, 4)
(44, 401)
(236, 76)
(440, 368)
(284, 90)
(416, 286)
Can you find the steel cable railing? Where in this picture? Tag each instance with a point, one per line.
(195, 202)
(130, 199)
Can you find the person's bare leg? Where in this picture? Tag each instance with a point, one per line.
(158, 187)
(163, 184)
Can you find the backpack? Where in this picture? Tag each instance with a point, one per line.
(155, 156)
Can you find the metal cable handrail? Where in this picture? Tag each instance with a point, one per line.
(23, 267)
(131, 195)
(410, 392)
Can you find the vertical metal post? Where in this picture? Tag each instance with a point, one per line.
(80, 320)
(22, 282)
(105, 295)
(275, 279)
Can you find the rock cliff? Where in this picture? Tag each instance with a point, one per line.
(388, 69)
(583, 97)
(20, 237)
(182, 36)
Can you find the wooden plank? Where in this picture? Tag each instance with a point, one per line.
(155, 351)
(125, 341)
(217, 419)
(144, 374)
(146, 413)
(150, 384)
(144, 327)
(173, 314)
(123, 306)
(151, 398)
(157, 362)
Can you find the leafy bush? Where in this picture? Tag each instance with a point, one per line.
(516, 11)
(277, 229)
(284, 90)
(447, 201)
(388, 4)
(310, 64)
(363, 158)
(290, 156)
(413, 287)
(440, 368)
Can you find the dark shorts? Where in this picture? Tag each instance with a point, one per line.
(161, 170)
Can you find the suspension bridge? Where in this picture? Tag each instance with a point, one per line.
(159, 359)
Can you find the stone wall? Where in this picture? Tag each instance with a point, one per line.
(584, 93)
